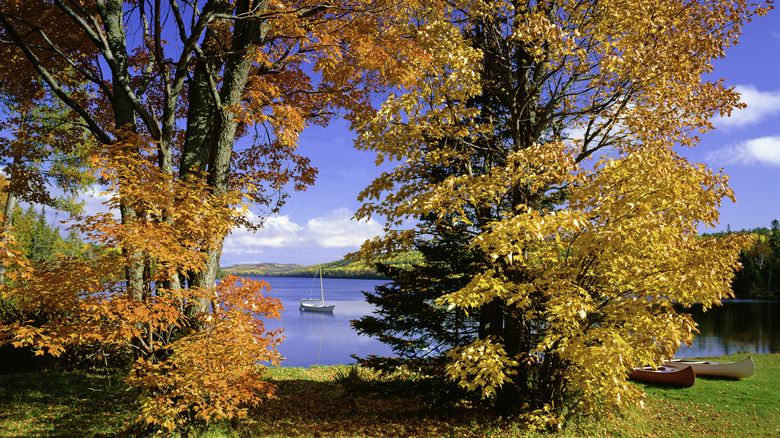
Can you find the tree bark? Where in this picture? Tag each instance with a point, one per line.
(10, 205)
(124, 120)
(211, 126)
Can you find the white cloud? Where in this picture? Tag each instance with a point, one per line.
(764, 150)
(760, 105)
(335, 230)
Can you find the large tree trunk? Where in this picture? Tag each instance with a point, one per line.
(124, 117)
(211, 126)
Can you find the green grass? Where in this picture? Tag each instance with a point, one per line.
(54, 404)
(719, 407)
(310, 403)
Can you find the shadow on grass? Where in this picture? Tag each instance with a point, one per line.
(724, 379)
(309, 408)
(63, 405)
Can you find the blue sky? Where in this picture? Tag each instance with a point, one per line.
(316, 225)
(747, 144)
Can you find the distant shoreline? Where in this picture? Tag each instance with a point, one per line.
(307, 275)
(350, 269)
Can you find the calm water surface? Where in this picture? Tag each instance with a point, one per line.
(328, 339)
(322, 338)
(739, 326)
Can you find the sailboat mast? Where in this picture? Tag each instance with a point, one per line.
(322, 291)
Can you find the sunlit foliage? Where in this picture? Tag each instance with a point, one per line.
(192, 385)
(564, 121)
(89, 305)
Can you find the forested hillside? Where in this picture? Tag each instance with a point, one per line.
(760, 275)
(338, 269)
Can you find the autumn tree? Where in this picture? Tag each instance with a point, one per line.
(167, 89)
(44, 162)
(142, 88)
(564, 120)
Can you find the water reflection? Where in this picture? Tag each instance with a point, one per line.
(739, 326)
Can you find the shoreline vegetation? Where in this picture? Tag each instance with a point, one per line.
(337, 401)
(336, 269)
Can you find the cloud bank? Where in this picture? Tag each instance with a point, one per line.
(335, 230)
(763, 150)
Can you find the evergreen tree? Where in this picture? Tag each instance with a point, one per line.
(406, 318)
(774, 264)
(760, 273)
(42, 242)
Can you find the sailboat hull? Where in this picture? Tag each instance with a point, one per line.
(316, 306)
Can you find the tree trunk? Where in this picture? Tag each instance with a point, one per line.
(10, 205)
(124, 119)
(211, 127)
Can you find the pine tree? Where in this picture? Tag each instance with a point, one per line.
(407, 319)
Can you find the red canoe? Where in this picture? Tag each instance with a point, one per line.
(683, 378)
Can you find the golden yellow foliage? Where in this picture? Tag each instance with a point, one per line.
(557, 124)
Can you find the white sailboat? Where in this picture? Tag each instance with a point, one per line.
(317, 305)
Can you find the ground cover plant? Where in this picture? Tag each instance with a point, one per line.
(310, 402)
(46, 404)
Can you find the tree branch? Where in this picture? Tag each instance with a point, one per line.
(93, 126)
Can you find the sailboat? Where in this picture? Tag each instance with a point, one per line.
(317, 305)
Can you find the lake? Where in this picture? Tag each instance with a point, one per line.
(322, 338)
(739, 326)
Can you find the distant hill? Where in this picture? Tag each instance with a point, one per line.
(267, 269)
(337, 269)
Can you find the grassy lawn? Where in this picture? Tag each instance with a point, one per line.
(310, 403)
(720, 407)
(51, 404)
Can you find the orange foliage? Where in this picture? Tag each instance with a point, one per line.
(166, 91)
(175, 220)
(214, 373)
(216, 353)
(207, 374)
